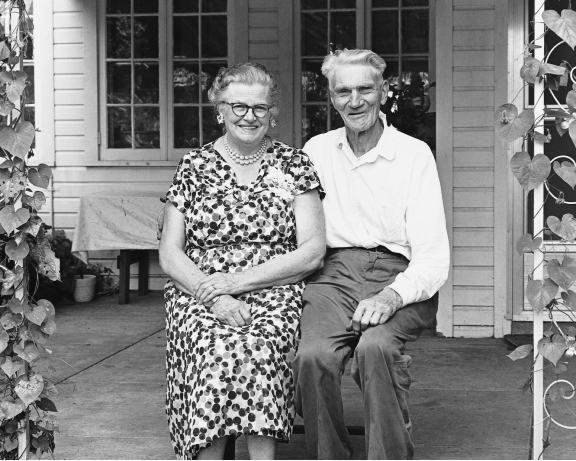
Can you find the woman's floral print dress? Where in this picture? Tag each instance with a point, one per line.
(225, 380)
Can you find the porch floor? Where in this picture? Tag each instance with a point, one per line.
(466, 401)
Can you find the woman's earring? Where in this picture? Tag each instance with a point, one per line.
(220, 119)
(272, 122)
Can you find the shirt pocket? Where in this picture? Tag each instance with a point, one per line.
(393, 223)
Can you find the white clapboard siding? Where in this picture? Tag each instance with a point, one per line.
(473, 184)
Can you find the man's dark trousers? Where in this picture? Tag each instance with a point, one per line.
(379, 367)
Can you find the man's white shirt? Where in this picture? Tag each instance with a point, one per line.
(389, 196)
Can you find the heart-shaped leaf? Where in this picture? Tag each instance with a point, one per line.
(540, 293)
(11, 219)
(29, 352)
(15, 83)
(553, 348)
(569, 298)
(559, 369)
(17, 306)
(521, 352)
(11, 366)
(4, 340)
(17, 252)
(36, 314)
(539, 137)
(563, 274)
(11, 186)
(5, 106)
(36, 201)
(4, 51)
(40, 177)
(36, 334)
(46, 405)
(17, 141)
(29, 389)
(526, 243)
(565, 229)
(567, 171)
(572, 131)
(48, 327)
(511, 126)
(529, 172)
(50, 311)
(33, 226)
(11, 407)
(563, 25)
(530, 70)
(10, 320)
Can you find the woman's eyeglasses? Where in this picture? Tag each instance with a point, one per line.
(241, 110)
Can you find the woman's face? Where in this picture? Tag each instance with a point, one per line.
(247, 129)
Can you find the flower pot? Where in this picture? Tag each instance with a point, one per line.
(84, 289)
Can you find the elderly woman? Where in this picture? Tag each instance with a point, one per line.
(243, 227)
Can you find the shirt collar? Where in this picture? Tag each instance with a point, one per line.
(385, 147)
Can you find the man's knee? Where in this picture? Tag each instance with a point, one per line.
(315, 356)
(379, 342)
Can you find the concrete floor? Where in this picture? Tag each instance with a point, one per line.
(466, 401)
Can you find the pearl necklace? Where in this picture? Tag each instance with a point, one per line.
(244, 159)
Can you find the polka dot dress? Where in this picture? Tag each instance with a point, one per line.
(225, 380)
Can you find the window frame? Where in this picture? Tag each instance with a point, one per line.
(97, 154)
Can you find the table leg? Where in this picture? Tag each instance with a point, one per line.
(143, 260)
(124, 283)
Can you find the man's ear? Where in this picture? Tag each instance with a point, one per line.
(385, 89)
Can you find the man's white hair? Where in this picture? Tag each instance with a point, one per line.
(358, 57)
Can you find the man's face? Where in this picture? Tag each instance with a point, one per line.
(357, 94)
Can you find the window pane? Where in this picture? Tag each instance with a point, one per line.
(146, 37)
(209, 72)
(29, 116)
(186, 6)
(415, 31)
(119, 82)
(343, 3)
(186, 37)
(313, 121)
(211, 130)
(118, 38)
(118, 7)
(343, 33)
(146, 83)
(185, 80)
(314, 84)
(29, 49)
(314, 4)
(30, 87)
(415, 2)
(384, 32)
(186, 127)
(147, 124)
(314, 34)
(335, 119)
(146, 6)
(385, 3)
(414, 67)
(119, 127)
(391, 70)
(214, 37)
(214, 6)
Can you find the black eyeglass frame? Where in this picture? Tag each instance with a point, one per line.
(234, 106)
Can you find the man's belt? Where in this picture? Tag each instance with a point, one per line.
(378, 249)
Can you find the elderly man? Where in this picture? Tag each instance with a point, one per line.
(388, 255)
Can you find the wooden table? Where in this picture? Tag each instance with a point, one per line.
(119, 220)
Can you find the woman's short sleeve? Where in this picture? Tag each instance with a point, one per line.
(182, 188)
(304, 174)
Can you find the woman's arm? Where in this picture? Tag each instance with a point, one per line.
(282, 270)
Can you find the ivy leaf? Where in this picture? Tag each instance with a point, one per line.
(48, 263)
(36, 201)
(4, 340)
(526, 243)
(40, 177)
(4, 51)
(511, 126)
(565, 229)
(563, 25)
(552, 348)
(563, 274)
(530, 172)
(521, 352)
(15, 83)
(11, 219)
(36, 314)
(530, 70)
(29, 389)
(569, 298)
(32, 227)
(36, 334)
(559, 369)
(46, 405)
(567, 171)
(48, 327)
(6, 106)
(540, 294)
(11, 366)
(10, 320)
(50, 311)
(16, 306)
(17, 252)
(29, 352)
(571, 100)
(541, 137)
(11, 407)
(14, 184)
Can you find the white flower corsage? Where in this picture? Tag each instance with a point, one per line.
(282, 184)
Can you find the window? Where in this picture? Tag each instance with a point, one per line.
(398, 30)
(159, 58)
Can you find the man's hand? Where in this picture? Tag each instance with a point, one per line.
(375, 311)
(160, 220)
(217, 284)
(231, 312)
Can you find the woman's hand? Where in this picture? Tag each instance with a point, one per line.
(231, 311)
(217, 284)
